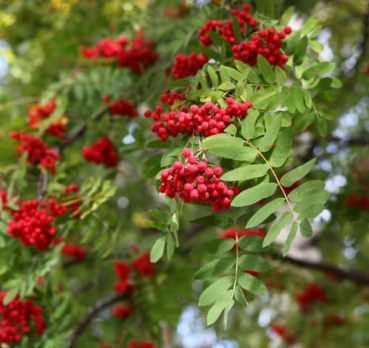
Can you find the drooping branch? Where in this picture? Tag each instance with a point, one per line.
(363, 49)
(339, 272)
(91, 313)
(81, 131)
(42, 184)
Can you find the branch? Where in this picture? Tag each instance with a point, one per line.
(341, 273)
(82, 130)
(364, 42)
(91, 314)
(356, 141)
(42, 185)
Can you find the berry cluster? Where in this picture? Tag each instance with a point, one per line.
(360, 203)
(122, 312)
(312, 293)
(103, 152)
(123, 270)
(196, 181)
(142, 266)
(36, 150)
(282, 332)
(18, 318)
(4, 201)
(121, 107)
(141, 344)
(225, 28)
(267, 43)
(206, 120)
(188, 65)
(38, 113)
(170, 97)
(33, 223)
(74, 251)
(135, 55)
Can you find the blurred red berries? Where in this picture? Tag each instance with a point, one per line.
(313, 293)
(36, 151)
(39, 113)
(103, 152)
(74, 251)
(135, 55)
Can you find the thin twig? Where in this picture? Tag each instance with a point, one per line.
(42, 184)
(364, 42)
(79, 132)
(358, 277)
(85, 321)
(17, 102)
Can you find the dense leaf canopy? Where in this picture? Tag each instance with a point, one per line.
(167, 165)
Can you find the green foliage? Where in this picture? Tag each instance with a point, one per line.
(266, 154)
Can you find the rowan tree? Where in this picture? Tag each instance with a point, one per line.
(165, 157)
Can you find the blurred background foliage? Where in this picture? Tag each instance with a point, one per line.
(39, 50)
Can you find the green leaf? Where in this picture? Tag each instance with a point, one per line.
(213, 76)
(290, 238)
(308, 26)
(217, 266)
(10, 296)
(297, 174)
(227, 146)
(265, 68)
(157, 250)
(319, 69)
(234, 74)
(252, 284)
(262, 97)
(285, 19)
(214, 246)
(224, 264)
(282, 149)
(247, 172)
(212, 293)
(280, 75)
(223, 303)
(264, 212)
(253, 262)
(309, 209)
(266, 7)
(300, 51)
(271, 134)
(161, 219)
(306, 189)
(226, 86)
(239, 296)
(299, 98)
(276, 228)
(254, 194)
(251, 243)
(3, 227)
(248, 124)
(224, 76)
(207, 270)
(306, 229)
(170, 245)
